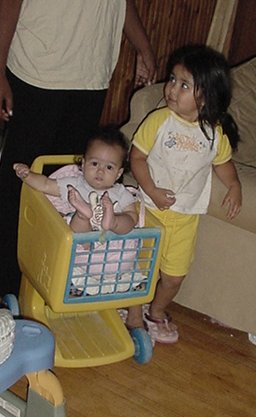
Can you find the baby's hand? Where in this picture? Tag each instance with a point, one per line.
(233, 201)
(22, 170)
(163, 198)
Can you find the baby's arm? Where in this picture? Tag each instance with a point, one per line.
(162, 197)
(37, 181)
(233, 199)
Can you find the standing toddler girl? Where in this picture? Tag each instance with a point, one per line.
(173, 153)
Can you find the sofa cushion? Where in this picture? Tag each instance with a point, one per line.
(142, 102)
(243, 109)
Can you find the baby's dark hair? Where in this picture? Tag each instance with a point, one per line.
(211, 74)
(110, 135)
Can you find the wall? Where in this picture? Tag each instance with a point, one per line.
(243, 44)
(169, 24)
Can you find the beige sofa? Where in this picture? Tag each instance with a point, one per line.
(222, 280)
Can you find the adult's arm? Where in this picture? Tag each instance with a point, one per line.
(9, 15)
(135, 32)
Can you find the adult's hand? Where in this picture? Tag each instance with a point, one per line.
(135, 32)
(9, 15)
(146, 71)
(6, 101)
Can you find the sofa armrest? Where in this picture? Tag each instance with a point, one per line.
(142, 102)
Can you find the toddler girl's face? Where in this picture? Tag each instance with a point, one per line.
(179, 94)
(102, 165)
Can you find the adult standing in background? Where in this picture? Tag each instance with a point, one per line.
(56, 61)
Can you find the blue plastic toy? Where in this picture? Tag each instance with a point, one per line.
(32, 356)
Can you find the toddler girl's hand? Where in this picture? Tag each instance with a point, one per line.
(233, 201)
(163, 198)
(22, 170)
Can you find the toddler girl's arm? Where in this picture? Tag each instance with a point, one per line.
(233, 199)
(162, 197)
(37, 181)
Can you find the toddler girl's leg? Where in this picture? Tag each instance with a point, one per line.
(158, 321)
(134, 318)
(177, 255)
(167, 287)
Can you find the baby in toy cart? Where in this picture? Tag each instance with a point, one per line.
(96, 200)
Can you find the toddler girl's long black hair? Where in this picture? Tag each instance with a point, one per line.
(211, 74)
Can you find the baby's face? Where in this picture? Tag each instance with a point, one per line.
(179, 94)
(102, 165)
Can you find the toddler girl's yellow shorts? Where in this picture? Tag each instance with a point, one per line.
(179, 241)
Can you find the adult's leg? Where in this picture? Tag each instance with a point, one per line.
(30, 133)
(39, 126)
(80, 117)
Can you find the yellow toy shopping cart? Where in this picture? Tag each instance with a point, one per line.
(75, 282)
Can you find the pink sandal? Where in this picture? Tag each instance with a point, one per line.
(160, 329)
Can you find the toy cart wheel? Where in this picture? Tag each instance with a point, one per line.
(143, 345)
(12, 304)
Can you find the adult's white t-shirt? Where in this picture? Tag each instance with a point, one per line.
(67, 44)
